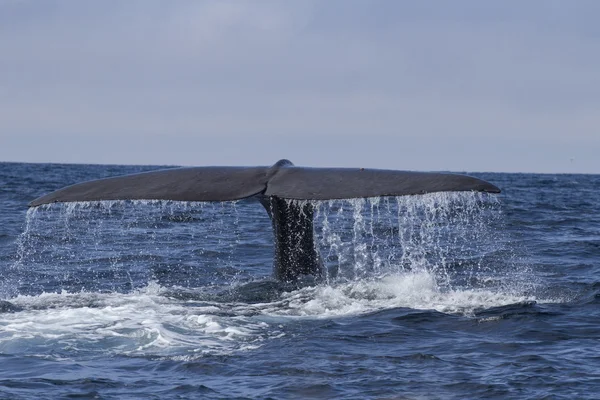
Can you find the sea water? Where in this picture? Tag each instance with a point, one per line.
(447, 295)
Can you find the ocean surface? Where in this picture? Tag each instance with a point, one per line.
(441, 296)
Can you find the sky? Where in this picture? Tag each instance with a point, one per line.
(464, 85)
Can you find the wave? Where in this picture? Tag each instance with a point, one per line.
(154, 322)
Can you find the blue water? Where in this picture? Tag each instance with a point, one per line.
(442, 296)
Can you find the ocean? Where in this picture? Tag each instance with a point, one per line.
(440, 296)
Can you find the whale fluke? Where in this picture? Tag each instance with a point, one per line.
(179, 184)
(295, 251)
(282, 180)
(348, 183)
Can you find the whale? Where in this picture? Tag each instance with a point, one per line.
(287, 192)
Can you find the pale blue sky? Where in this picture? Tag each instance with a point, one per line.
(430, 85)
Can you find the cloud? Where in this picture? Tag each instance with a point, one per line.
(280, 77)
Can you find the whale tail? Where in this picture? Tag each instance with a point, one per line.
(295, 251)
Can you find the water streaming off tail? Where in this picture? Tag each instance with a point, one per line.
(456, 236)
(122, 245)
(186, 279)
(119, 246)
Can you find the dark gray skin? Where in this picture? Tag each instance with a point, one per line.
(296, 255)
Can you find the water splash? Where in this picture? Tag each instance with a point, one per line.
(22, 239)
(141, 323)
(175, 280)
(122, 245)
(458, 237)
(418, 290)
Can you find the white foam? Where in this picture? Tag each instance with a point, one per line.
(148, 323)
(140, 323)
(415, 290)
